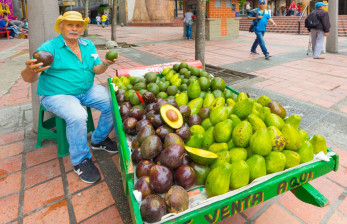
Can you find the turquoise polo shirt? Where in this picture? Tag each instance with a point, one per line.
(67, 74)
(261, 25)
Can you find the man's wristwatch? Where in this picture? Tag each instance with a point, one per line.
(103, 62)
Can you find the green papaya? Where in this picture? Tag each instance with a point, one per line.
(256, 122)
(195, 105)
(239, 176)
(218, 147)
(249, 152)
(208, 100)
(229, 109)
(292, 137)
(218, 114)
(294, 120)
(218, 102)
(218, 162)
(274, 120)
(319, 144)
(236, 120)
(292, 158)
(228, 94)
(306, 152)
(208, 138)
(257, 167)
(277, 138)
(201, 172)
(264, 100)
(275, 162)
(194, 89)
(241, 96)
(238, 154)
(195, 141)
(182, 99)
(223, 131)
(218, 180)
(243, 108)
(260, 142)
(217, 93)
(242, 134)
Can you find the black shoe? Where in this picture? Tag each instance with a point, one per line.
(107, 145)
(267, 56)
(87, 171)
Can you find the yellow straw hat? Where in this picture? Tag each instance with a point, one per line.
(70, 16)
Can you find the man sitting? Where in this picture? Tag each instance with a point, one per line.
(5, 24)
(67, 84)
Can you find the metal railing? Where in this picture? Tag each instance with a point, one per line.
(303, 13)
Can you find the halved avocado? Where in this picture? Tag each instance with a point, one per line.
(172, 116)
(201, 156)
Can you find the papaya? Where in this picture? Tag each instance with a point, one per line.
(208, 138)
(208, 100)
(194, 89)
(223, 130)
(218, 180)
(218, 147)
(263, 112)
(292, 137)
(277, 138)
(306, 152)
(206, 124)
(260, 142)
(292, 158)
(257, 167)
(218, 115)
(243, 108)
(319, 144)
(195, 141)
(294, 120)
(242, 134)
(304, 135)
(230, 102)
(239, 176)
(236, 120)
(225, 155)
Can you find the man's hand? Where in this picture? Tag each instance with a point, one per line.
(259, 17)
(109, 62)
(326, 34)
(274, 24)
(35, 68)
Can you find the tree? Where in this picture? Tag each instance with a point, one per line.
(86, 4)
(114, 20)
(200, 32)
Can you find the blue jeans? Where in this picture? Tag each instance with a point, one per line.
(259, 41)
(189, 32)
(69, 108)
(97, 22)
(103, 24)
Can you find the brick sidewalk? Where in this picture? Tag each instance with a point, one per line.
(38, 187)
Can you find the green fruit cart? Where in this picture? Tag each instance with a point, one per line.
(295, 180)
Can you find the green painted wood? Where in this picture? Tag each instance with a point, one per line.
(307, 193)
(227, 207)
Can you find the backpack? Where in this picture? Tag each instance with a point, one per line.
(187, 21)
(312, 21)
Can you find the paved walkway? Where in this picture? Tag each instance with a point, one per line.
(38, 187)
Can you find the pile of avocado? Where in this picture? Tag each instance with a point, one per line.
(229, 140)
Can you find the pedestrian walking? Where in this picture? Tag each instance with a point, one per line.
(103, 20)
(318, 25)
(98, 19)
(248, 7)
(260, 16)
(188, 22)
